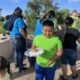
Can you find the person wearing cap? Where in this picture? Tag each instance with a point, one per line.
(19, 38)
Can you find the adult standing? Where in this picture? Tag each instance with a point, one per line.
(19, 38)
(69, 55)
(38, 28)
(74, 16)
(50, 15)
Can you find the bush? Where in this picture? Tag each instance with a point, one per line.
(1, 28)
(2, 19)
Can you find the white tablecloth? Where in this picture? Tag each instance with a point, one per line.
(6, 49)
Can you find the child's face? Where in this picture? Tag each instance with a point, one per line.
(47, 31)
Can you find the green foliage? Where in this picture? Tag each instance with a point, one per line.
(1, 18)
(78, 23)
(31, 20)
(41, 6)
(35, 8)
(61, 15)
(1, 28)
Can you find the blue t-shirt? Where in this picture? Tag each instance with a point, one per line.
(18, 23)
(38, 29)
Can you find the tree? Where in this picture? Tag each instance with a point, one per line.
(31, 19)
(1, 19)
(41, 5)
(61, 15)
(34, 6)
(37, 7)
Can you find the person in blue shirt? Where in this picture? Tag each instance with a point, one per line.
(38, 27)
(49, 15)
(19, 39)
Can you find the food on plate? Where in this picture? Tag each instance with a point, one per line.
(34, 50)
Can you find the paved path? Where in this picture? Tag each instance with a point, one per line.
(30, 74)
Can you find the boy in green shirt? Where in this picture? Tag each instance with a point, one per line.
(46, 63)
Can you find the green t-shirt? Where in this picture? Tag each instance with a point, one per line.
(75, 23)
(50, 47)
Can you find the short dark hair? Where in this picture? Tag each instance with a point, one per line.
(18, 11)
(48, 23)
(69, 21)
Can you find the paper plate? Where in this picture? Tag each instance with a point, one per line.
(32, 53)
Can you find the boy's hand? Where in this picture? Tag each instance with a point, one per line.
(49, 63)
(55, 57)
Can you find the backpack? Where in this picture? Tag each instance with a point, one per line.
(8, 25)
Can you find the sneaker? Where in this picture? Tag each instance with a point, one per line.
(62, 78)
(32, 65)
(24, 69)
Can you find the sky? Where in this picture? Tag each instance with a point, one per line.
(69, 4)
(8, 6)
